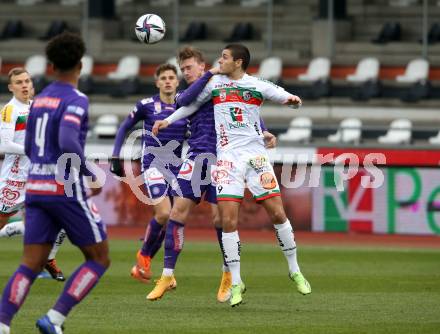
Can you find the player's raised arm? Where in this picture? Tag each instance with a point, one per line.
(190, 94)
(126, 126)
(278, 94)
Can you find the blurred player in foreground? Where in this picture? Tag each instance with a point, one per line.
(15, 165)
(242, 157)
(195, 168)
(56, 134)
(158, 168)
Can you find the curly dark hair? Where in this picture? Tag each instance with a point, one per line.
(65, 51)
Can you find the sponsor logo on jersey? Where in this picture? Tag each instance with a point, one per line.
(16, 165)
(229, 165)
(219, 175)
(46, 102)
(223, 136)
(236, 114)
(157, 108)
(259, 163)
(187, 168)
(154, 176)
(268, 181)
(222, 95)
(72, 119)
(42, 169)
(9, 194)
(7, 113)
(247, 95)
(16, 184)
(75, 110)
(147, 100)
(237, 118)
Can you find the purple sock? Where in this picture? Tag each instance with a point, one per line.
(15, 293)
(219, 231)
(79, 286)
(158, 242)
(173, 243)
(151, 237)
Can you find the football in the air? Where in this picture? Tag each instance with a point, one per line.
(150, 28)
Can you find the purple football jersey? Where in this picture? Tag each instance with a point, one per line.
(59, 112)
(155, 148)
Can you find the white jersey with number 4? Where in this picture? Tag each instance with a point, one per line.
(15, 167)
(237, 105)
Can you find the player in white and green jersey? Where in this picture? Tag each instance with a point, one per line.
(14, 170)
(242, 159)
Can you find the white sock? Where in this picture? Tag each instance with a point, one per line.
(4, 329)
(56, 317)
(286, 240)
(11, 229)
(56, 246)
(225, 269)
(167, 272)
(231, 246)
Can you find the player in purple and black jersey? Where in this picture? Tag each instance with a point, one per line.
(197, 176)
(160, 164)
(55, 138)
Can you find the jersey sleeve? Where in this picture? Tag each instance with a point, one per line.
(206, 94)
(273, 92)
(75, 114)
(137, 114)
(74, 118)
(192, 92)
(7, 131)
(8, 117)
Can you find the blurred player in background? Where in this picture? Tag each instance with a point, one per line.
(160, 167)
(201, 145)
(15, 165)
(242, 157)
(56, 131)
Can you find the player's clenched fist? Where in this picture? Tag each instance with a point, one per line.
(293, 101)
(159, 125)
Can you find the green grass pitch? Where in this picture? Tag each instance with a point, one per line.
(355, 290)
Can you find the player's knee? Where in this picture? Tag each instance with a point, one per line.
(229, 223)
(216, 221)
(179, 214)
(162, 217)
(278, 216)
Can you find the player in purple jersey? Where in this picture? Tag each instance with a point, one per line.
(55, 138)
(158, 169)
(194, 177)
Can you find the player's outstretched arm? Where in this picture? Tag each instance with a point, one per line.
(190, 94)
(159, 125)
(116, 165)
